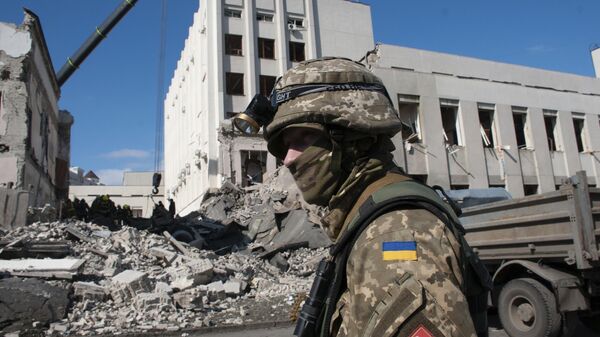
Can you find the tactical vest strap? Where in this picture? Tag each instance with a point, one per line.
(390, 178)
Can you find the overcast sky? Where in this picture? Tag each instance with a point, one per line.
(113, 94)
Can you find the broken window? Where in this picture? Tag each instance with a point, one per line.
(254, 166)
(233, 44)
(551, 130)
(449, 110)
(530, 189)
(234, 83)
(408, 108)
(486, 123)
(297, 52)
(449, 122)
(520, 122)
(264, 17)
(579, 124)
(266, 48)
(266, 84)
(233, 13)
(296, 22)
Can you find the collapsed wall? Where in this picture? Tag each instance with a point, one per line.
(34, 133)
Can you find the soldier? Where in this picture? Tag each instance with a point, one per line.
(402, 267)
(172, 208)
(85, 209)
(103, 212)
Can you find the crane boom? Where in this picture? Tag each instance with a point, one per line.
(93, 40)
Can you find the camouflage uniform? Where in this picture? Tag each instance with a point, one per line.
(412, 295)
(395, 297)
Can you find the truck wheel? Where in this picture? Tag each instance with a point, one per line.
(528, 309)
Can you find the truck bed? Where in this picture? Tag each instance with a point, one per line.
(561, 226)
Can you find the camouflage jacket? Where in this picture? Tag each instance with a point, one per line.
(404, 279)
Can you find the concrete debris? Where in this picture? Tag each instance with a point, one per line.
(250, 251)
(89, 291)
(128, 284)
(154, 301)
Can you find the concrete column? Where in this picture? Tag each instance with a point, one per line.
(592, 133)
(250, 50)
(510, 152)
(596, 61)
(311, 36)
(543, 162)
(433, 139)
(281, 45)
(569, 144)
(469, 124)
(216, 88)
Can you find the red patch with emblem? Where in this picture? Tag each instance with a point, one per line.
(421, 331)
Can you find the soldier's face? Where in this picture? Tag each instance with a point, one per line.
(296, 140)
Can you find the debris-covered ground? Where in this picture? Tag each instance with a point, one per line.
(258, 250)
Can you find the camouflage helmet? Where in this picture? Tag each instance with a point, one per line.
(350, 103)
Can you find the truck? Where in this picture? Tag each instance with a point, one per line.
(543, 254)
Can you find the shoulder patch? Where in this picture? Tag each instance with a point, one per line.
(399, 250)
(421, 331)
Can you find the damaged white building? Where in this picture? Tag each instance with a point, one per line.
(34, 132)
(488, 124)
(234, 50)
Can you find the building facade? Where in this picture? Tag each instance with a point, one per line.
(135, 192)
(469, 123)
(234, 50)
(472, 123)
(34, 133)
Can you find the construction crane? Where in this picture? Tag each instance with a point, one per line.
(94, 40)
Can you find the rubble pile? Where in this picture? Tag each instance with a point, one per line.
(244, 257)
(134, 280)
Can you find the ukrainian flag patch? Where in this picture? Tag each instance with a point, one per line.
(399, 251)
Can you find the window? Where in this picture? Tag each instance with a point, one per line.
(530, 189)
(297, 22)
(233, 44)
(233, 13)
(266, 48)
(578, 124)
(264, 17)
(266, 84)
(450, 123)
(551, 131)
(408, 107)
(486, 122)
(234, 83)
(297, 51)
(254, 166)
(520, 122)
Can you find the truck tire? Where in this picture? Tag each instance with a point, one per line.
(528, 309)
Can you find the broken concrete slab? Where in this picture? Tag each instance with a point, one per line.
(153, 301)
(128, 284)
(296, 227)
(25, 301)
(164, 254)
(45, 268)
(112, 265)
(216, 291)
(191, 273)
(89, 291)
(233, 287)
(189, 299)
